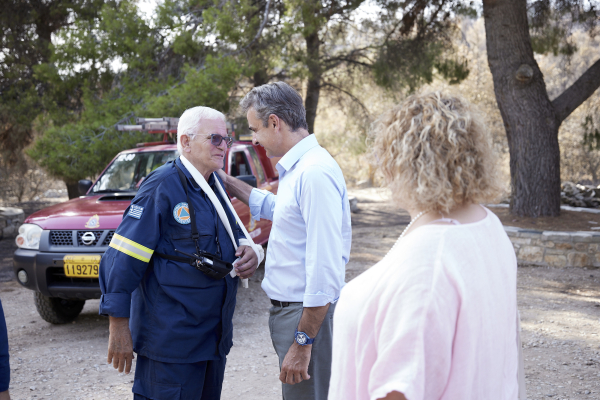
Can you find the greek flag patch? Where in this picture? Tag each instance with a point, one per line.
(135, 211)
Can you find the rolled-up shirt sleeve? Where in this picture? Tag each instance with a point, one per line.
(125, 262)
(262, 204)
(321, 204)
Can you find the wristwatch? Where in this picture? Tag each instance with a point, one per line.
(303, 339)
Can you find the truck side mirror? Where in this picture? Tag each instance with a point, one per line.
(249, 179)
(84, 185)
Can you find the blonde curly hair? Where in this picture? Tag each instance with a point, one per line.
(435, 153)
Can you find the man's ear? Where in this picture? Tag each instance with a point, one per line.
(185, 141)
(274, 121)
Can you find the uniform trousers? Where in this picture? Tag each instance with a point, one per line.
(155, 380)
(283, 322)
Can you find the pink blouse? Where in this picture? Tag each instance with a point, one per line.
(435, 319)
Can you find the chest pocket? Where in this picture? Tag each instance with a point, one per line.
(177, 274)
(182, 240)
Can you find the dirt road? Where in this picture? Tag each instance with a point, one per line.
(560, 311)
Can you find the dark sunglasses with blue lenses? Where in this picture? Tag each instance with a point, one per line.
(216, 139)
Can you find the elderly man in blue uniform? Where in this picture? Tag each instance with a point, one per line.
(309, 244)
(177, 318)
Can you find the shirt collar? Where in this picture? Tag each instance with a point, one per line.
(295, 153)
(185, 164)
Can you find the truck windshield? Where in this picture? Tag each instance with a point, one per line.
(129, 170)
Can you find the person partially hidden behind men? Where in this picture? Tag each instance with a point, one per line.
(160, 304)
(4, 358)
(309, 244)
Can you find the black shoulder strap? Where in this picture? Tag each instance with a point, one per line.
(186, 260)
(195, 234)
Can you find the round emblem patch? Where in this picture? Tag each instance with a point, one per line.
(181, 213)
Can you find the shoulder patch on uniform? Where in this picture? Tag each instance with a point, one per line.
(181, 213)
(135, 211)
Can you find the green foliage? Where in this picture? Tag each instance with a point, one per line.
(466, 10)
(551, 24)
(408, 63)
(420, 44)
(195, 52)
(454, 71)
(77, 151)
(161, 76)
(108, 61)
(208, 86)
(551, 39)
(26, 29)
(411, 63)
(591, 134)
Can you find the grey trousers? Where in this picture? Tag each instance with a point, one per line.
(283, 322)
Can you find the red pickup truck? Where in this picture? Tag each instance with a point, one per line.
(60, 246)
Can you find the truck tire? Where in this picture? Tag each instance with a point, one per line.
(56, 310)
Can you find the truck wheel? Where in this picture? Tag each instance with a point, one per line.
(56, 310)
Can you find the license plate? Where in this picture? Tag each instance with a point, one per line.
(81, 266)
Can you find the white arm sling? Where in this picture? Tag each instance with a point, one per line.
(260, 253)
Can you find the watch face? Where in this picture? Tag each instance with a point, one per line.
(301, 338)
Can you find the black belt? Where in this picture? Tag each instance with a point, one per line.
(278, 303)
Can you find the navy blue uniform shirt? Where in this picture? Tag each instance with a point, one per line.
(4, 359)
(177, 314)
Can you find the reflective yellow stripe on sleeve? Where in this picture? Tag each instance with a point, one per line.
(131, 248)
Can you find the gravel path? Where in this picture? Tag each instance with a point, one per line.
(560, 312)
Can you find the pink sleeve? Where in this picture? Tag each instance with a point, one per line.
(415, 325)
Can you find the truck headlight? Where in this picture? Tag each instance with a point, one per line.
(29, 236)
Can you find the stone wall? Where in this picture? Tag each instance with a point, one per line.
(555, 249)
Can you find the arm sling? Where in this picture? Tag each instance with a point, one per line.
(222, 266)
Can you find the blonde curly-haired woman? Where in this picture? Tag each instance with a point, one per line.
(437, 317)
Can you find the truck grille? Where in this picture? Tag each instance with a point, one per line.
(61, 238)
(97, 235)
(65, 238)
(108, 238)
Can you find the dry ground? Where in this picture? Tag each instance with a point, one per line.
(568, 221)
(560, 311)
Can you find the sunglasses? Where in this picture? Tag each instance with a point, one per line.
(216, 139)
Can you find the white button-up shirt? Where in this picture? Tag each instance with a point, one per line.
(309, 244)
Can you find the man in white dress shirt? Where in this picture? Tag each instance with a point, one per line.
(309, 244)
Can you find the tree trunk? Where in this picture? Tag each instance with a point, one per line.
(72, 189)
(313, 88)
(310, 11)
(260, 77)
(530, 119)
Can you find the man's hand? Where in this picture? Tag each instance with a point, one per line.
(223, 177)
(120, 345)
(294, 368)
(235, 187)
(248, 262)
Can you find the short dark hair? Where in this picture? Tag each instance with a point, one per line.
(277, 98)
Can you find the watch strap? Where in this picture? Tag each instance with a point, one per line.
(309, 340)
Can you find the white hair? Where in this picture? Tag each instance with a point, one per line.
(190, 122)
